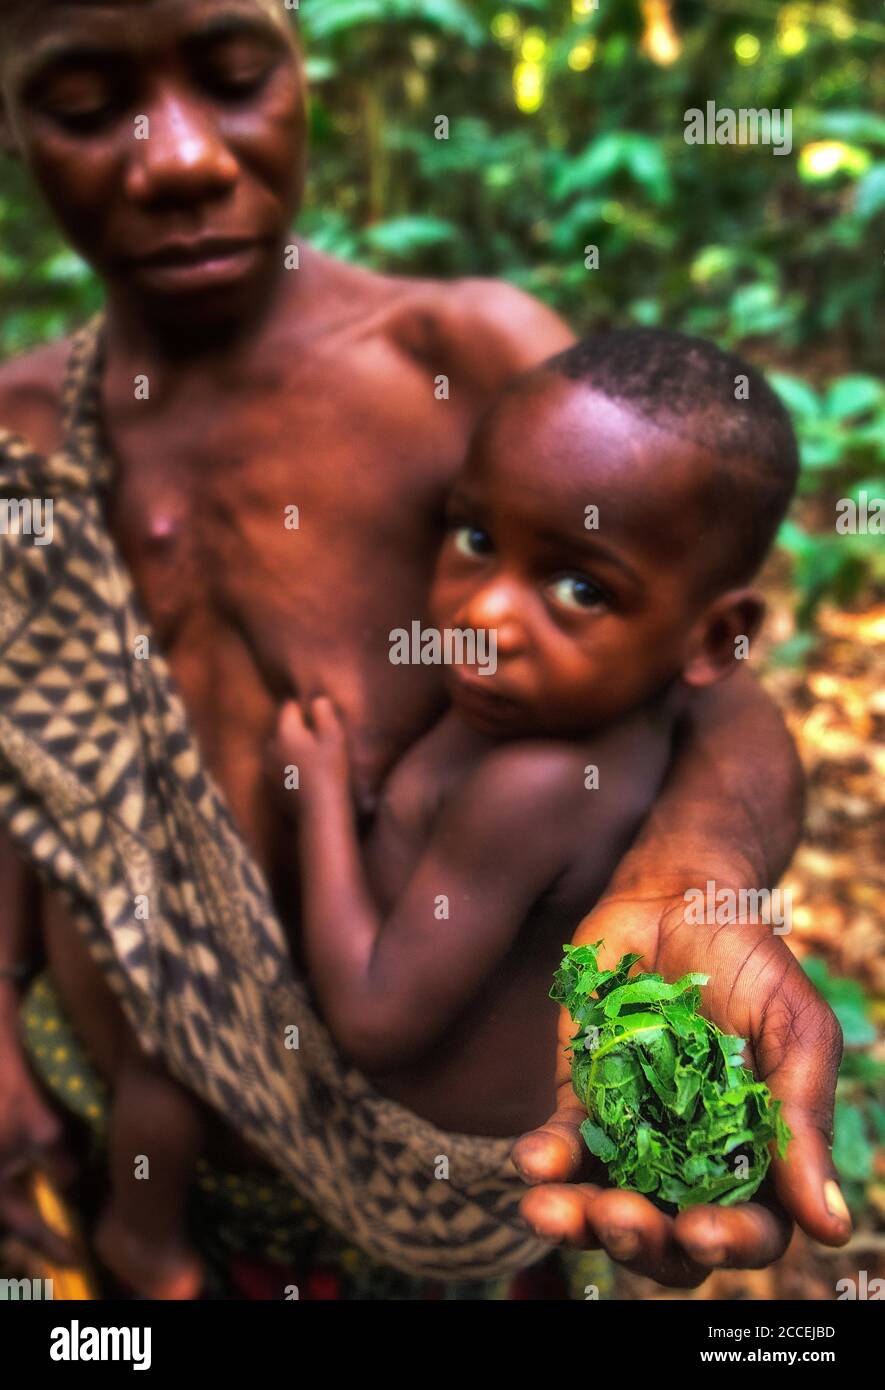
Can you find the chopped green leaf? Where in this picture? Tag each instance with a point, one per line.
(672, 1111)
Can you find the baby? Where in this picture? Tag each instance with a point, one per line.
(614, 507)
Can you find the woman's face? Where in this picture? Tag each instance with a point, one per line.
(168, 137)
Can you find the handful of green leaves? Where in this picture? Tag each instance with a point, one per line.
(672, 1111)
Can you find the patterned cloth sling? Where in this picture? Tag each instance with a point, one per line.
(104, 790)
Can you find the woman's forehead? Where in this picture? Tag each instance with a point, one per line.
(36, 32)
(32, 19)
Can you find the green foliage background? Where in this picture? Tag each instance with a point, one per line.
(566, 123)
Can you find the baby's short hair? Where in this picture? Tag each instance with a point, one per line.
(717, 400)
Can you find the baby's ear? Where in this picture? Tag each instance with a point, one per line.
(722, 636)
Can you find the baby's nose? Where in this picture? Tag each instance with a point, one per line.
(496, 609)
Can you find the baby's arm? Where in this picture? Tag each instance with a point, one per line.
(389, 985)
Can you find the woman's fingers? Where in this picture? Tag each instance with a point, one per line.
(679, 1252)
(624, 1224)
(559, 1212)
(808, 1185)
(747, 1236)
(798, 1049)
(555, 1152)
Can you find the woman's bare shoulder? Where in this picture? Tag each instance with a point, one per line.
(482, 331)
(487, 331)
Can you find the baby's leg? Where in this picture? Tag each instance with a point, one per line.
(156, 1135)
(142, 1234)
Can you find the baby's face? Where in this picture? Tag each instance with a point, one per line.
(576, 533)
(167, 136)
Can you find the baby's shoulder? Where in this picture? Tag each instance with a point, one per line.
(508, 784)
(533, 778)
(601, 784)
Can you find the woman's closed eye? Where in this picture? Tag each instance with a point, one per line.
(577, 593)
(237, 70)
(472, 541)
(79, 99)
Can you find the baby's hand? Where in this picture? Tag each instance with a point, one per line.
(310, 749)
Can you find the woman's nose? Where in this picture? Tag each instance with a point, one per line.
(181, 157)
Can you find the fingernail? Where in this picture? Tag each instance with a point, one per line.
(836, 1202)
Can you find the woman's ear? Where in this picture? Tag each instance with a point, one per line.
(722, 636)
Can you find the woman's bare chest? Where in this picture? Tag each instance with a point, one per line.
(273, 569)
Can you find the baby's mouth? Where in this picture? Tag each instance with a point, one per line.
(481, 697)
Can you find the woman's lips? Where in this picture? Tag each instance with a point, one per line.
(198, 265)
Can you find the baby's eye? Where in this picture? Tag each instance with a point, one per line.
(472, 541)
(577, 592)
